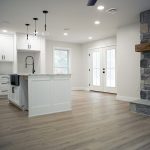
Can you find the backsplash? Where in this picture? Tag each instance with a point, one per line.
(21, 62)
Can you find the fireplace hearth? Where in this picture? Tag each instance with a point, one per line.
(143, 105)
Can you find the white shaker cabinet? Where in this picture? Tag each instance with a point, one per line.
(33, 42)
(6, 47)
(4, 84)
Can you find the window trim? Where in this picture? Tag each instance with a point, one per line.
(69, 57)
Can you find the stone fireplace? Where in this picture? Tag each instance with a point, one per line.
(143, 105)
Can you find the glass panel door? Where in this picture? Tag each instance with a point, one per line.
(96, 68)
(102, 69)
(110, 68)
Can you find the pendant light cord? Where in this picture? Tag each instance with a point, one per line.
(35, 27)
(45, 21)
(27, 25)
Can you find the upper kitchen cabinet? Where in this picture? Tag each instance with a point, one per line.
(6, 47)
(33, 42)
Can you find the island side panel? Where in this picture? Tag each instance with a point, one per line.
(61, 94)
(48, 94)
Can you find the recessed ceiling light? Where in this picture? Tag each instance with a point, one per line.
(97, 22)
(4, 31)
(90, 37)
(65, 34)
(100, 7)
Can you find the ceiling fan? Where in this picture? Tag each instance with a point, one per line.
(91, 2)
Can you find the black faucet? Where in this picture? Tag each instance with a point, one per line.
(26, 64)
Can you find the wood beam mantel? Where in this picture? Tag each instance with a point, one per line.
(142, 47)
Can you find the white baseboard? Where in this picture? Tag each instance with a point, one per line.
(80, 89)
(126, 98)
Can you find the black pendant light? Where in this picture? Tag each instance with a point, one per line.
(35, 19)
(27, 25)
(45, 12)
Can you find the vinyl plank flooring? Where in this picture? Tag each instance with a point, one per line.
(96, 122)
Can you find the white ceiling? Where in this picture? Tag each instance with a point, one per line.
(73, 14)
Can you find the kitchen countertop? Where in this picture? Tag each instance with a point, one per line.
(44, 74)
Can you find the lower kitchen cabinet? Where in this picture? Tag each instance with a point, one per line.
(4, 85)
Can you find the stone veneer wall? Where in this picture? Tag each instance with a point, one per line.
(145, 56)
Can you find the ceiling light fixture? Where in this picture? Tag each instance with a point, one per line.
(111, 11)
(97, 22)
(45, 12)
(90, 37)
(35, 19)
(27, 25)
(100, 7)
(4, 31)
(65, 34)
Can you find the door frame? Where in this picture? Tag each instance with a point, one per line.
(104, 63)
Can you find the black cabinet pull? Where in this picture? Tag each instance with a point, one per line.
(5, 91)
(5, 83)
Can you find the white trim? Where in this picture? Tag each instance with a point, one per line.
(126, 98)
(80, 89)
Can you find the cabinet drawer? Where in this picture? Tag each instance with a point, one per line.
(4, 92)
(4, 78)
(4, 85)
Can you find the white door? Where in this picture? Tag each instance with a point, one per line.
(102, 69)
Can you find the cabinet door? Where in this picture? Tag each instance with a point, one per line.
(9, 48)
(1, 47)
(33, 43)
(6, 47)
(22, 42)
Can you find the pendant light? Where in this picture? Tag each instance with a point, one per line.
(35, 19)
(27, 25)
(45, 12)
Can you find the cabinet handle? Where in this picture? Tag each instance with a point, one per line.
(4, 91)
(4, 57)
(5, 77)
(4, 83)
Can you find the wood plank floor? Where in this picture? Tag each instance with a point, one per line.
(97, 122)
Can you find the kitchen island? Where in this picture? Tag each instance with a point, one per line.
(43, 93)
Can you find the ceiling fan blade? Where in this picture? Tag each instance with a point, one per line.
(91, 2)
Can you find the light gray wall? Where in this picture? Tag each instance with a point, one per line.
(128, 62)
(76, 60)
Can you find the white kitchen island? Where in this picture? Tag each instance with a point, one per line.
(45, 93)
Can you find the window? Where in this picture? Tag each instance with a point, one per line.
(61, 61)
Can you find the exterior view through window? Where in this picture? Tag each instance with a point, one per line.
(61, 61)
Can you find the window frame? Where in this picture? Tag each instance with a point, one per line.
(68, 57)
